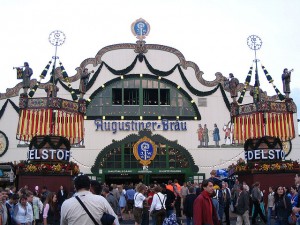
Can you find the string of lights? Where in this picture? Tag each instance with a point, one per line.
(79, 163)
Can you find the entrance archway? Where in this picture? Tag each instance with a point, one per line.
(118, 161)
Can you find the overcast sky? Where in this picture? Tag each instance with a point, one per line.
(211, 33)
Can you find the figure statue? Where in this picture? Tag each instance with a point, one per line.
(51, 90)
(205, 136)
(233, 83)
(227, 131)
(84, 79)
(286, 80)
(216, 135)
(27, 72)
(200, 135)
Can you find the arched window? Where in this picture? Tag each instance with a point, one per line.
(145, 96)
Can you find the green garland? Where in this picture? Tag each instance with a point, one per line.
(123, 71)
(62, 141)
(159, 72)
(206, 93)
(249, 144)
(5, 105)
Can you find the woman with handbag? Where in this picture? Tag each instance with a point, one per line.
(283, 207)
(158, 208)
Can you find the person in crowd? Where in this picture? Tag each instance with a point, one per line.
(203, 210)
(130, 199)
(158, 207)
(188, 205)
(235, 191)
(177, 191)
(3, 209)
(51, 211)
(246, 186)
(296, 204)
(12, 190)
(44, 193)
(95, 187)
(256, 199)
(29, 196)
(150, 199)
(62, 195)
(122, 200)
(23, 211)
(283, 207)
(139, 199)
(115, 191)
(227, 201)
(242, 207)
(184, 192)
(112, 200)
(37, 207)
(287, 192)
(219, 197)
(215, 202)
(170, 201)
(146, 208)
(73, 213)
(271, 204)
(10, 205)
(294, 193)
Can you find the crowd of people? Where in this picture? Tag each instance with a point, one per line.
(211, 202)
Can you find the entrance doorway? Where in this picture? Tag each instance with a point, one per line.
(164, 178)
(123, 178)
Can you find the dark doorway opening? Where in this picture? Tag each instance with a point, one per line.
(123, 178)
(164, 178)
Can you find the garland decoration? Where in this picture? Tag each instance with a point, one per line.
(42, 76)
(280, 96)
(5, 105)
(206, 93)
(66, 78)
(158, 72)
(123, 71)
(246, 84)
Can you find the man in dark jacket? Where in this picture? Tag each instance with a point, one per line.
(204, 211)
(242, 207)
(226, 201)
(107, 193)
(170, 201)
(256, 198)
(188, 205)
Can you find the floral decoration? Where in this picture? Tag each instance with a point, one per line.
(263, 166)
(48, 168)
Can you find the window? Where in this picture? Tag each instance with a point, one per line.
(156, 96)
(131, 96)
(145, 97)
